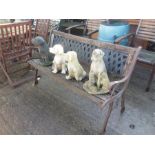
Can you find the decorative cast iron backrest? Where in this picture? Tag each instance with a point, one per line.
(117, 58)
(146, 30)
(15, 37)
(42, 27)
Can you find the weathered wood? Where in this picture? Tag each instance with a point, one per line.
(148, 26)
(15, 47)
(75, 87)
(144, 27)
(148, 58)
(42, 28)
(146, 36)
(145, 31)
(131, 21)
(91, 26)
(148, 22)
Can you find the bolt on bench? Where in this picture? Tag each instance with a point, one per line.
(119, 60)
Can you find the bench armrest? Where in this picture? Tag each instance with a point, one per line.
(115, 93)
(117, 88)
(114, 84)
(92, 32)
(118, 40)
(74, 26)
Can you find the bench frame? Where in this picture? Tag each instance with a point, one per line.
(114, 94)
(15, 45)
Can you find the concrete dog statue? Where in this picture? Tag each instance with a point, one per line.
(75, 70)
(59, 59)
(98, 79)
(40, 43)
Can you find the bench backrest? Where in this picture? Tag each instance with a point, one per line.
(119, 59)
(42, 28)
(15, 37)
(93, 24)
(146, 30)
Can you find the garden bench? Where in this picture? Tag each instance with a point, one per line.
(146, 58)
(90, 27)
(119, 60)
(42, 28)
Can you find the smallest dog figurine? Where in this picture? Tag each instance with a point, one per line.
(98, 79)
(40, 43)
(75, 70)
(59, 59)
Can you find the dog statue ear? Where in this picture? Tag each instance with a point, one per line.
(51, 50)
(71, 56)
(101, 53)
(75, 55)
(60, 49)
(66, 56)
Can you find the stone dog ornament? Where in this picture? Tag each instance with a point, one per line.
(75, 70)
(98, 82)
(46, 57)
(59, 59)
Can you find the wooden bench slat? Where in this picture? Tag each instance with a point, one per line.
(148, 26)
(148, 22)
(146, 33)
(147, 29)
(146, 36)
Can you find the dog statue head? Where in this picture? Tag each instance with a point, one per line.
(71, 56)
(57, 49)
(38, 41)
(97, 55)
(43, 49)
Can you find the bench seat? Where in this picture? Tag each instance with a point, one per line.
(75, 86)
(147, 57)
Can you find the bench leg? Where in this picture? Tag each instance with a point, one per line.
(107, 117)
(36, 77)
(150, 79)
(123, 103)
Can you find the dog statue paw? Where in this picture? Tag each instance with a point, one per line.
(59, 59)
(75, 70)
(68, 77)
(98, 82)
(54, 71)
